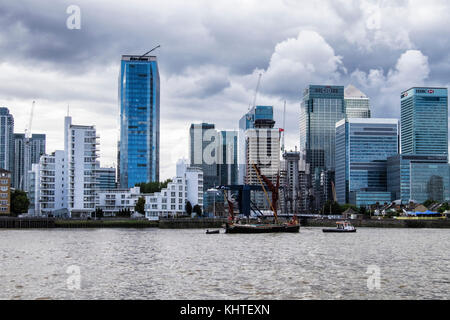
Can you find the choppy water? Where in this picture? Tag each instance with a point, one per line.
(188, 264)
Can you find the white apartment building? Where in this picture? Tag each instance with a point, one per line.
(114, 200)
(50, 188)
(80, 147)
(171, 201)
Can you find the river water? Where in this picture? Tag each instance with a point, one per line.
(188, 264)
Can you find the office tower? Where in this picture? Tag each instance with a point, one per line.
(260, 114)
(204, 146)
(419, 177)
(291, 182)
(27, 151)
(80, 148)
(106, 178)
(362, 149)
(52, 189)
(424, 121)
(6, 140)
(227, 167)
(357, 104)
(139, 120)
(5, 192)
(321, 108)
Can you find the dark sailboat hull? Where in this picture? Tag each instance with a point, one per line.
(272, 228)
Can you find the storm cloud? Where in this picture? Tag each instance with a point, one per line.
(210, 57)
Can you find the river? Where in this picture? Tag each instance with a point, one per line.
(188, 264)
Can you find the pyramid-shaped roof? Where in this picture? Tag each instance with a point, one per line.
(352, 92)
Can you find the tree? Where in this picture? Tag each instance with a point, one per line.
(19, 202)
(331, 207)
(198, 210)
(188, 208)
(140, 205)
(125, 213)
(152, 187)
(428, 203)
(98, 213)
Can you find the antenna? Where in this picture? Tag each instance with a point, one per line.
(158, 46)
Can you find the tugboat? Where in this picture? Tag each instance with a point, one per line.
(234, 225)
(342, 226)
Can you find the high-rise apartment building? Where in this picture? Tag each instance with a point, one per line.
(6, 140)
(291, 182)
(362, 149)
(51, 184)
(424, 121)
(357, 104)
(139, 120)
(27, 151)
(80, 147)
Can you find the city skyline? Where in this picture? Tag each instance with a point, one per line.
(212, 81)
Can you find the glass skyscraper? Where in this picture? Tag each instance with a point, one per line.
(139, 120)
(321, 108)
(419, 177)
(362, 149)
(357, 104)
(424, 121)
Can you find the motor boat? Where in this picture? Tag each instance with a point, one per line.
(342, 226)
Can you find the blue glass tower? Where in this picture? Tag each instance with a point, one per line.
(321, 108)
(139, 120)
(424, 121)
(362, 149)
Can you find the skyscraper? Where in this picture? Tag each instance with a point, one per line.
(139, 120)
(6, 140)
(260, 114)
(81, 164)
(321, 108)
(27, 151)
(362, 149)
(424, 121)
(227, 166)
(204, 145)
(357, 104)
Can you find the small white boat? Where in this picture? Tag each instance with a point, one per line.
(342, 226)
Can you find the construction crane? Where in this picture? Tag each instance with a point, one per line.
(27, 147)
(158, 46)
(256, 92)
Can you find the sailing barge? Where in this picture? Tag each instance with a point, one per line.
(234, 225)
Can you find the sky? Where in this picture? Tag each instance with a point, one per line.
(210, 57)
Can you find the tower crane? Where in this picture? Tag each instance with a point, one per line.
(30, 122)
(256, 91)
